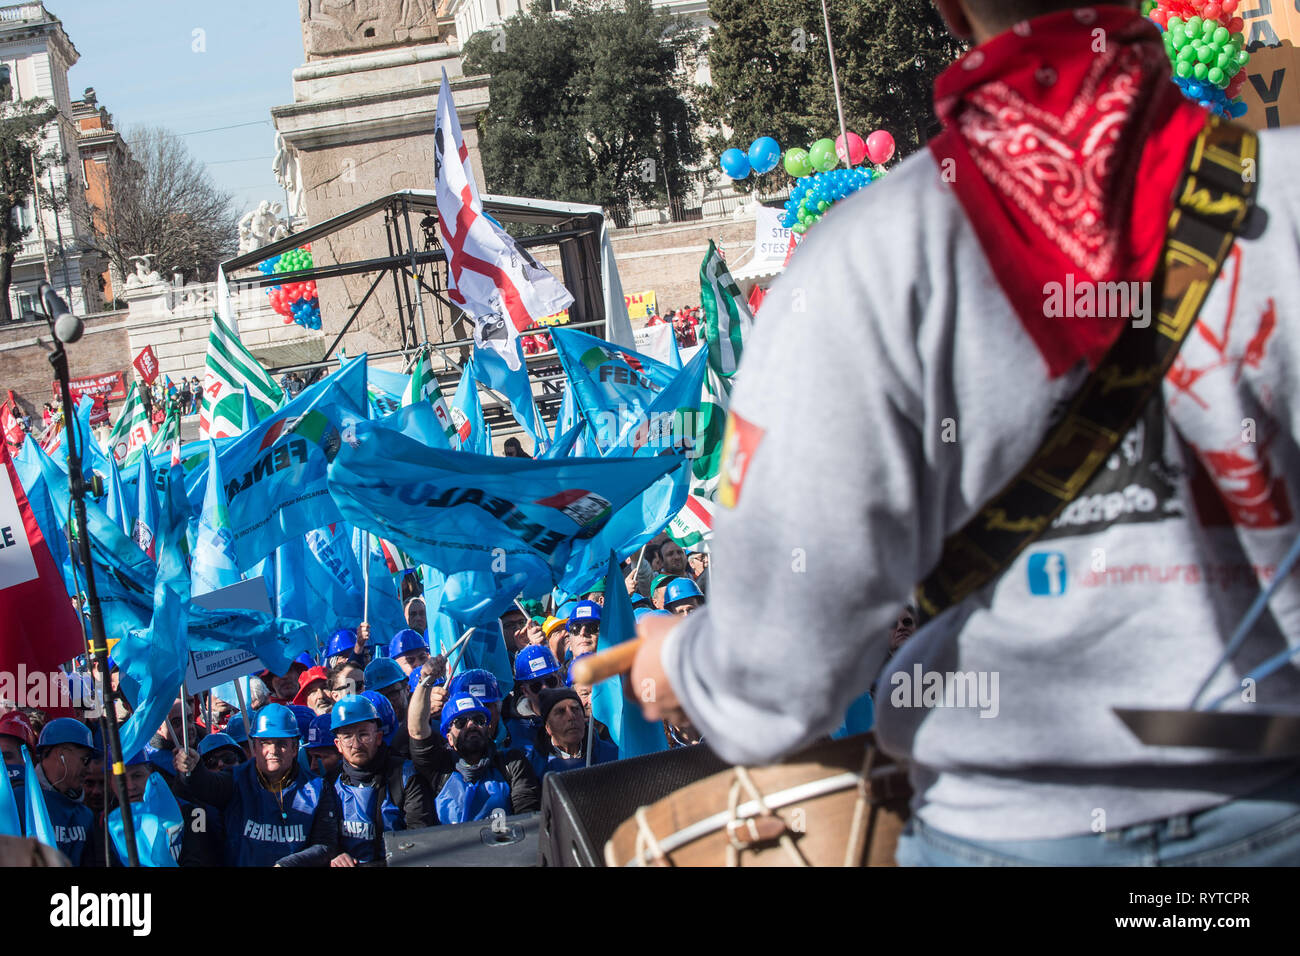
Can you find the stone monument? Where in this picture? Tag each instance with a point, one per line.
(361, 127)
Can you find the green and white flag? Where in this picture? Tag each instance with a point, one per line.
(131, 432)
(230, 367)
(424, 387)
(710, 424)
(169, 431)
(726, 314)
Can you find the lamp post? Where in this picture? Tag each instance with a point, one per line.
(66, 327)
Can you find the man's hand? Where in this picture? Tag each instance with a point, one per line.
(343, 859)
(434, 667)
(363, 638)
(649, 682)
(185, 761)
(437, 699)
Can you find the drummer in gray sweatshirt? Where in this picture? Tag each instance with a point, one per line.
(907, 365)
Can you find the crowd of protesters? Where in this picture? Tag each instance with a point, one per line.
(367, 737)
(686, 322)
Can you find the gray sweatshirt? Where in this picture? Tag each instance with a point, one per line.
(897, 392)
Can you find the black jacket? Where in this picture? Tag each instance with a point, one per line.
(437, 762)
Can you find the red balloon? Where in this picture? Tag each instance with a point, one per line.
(880, 147)
(857, 148)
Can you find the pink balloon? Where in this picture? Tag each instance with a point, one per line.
(880, 147)
(857, 148)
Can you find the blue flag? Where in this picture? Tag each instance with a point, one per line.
(275, 473)
(214, 564)
(115, 501)
(38, 815)
(510, 521)
(486, 649)
(11, 818)
(613, 387)
(565, 444)
(146, 528)
(159, 826)
(632, 733)
(491, 369)
(33, 464)
(467, 415)
(250, 411)
(331, 579)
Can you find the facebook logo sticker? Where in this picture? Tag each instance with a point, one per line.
(1047, 574)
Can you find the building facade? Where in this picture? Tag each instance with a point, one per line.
(101, 150)
(60, 246)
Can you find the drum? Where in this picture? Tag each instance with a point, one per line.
(839, 803)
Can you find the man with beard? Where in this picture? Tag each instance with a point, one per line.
(378, 790)
(275, 813)
(483, 778)
(314, 690)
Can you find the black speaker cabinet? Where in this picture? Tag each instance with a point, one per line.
(581, 809)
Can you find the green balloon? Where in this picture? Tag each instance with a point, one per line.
(799, 228)
(823, 155)
(796, 162)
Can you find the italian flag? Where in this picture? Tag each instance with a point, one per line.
(132, 431)
(725, 313)
(424, 388)
(693, 525)
(231, 368)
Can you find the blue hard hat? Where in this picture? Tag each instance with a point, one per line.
(216, 741)
(535, 661)
(479, 682)
(341, 643)
(640, 612)
(236, 730)
(142, 756)
(275, 720)
(66, 730)
(352, 709)
(383, 672)
(584, 611)
(458, 706)
(406, 640)
(304, 659)
(681, 589)
(319, 734)
(565, 609)
(387, 716)
(305, 715)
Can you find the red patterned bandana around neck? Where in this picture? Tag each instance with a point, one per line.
(1065, 139)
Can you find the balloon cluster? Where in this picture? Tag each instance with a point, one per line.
(1205, 44)
(821, 184)
(815, 194)
(296, 301)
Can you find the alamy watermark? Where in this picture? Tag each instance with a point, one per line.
(1129, 301)
(44, 690)
(965, 689)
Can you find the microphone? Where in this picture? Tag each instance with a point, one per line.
(68, 328)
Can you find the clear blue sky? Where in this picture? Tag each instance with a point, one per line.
(140, 57)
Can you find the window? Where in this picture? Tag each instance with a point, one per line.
(24, 307)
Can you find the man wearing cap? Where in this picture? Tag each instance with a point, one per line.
(346, 644)
(284, 687)
(536, 669)
(556, 630)
(483, 779)
(682, 596)
(220, 752)
(385, 675)
(275, 813)
(314, 690)
(323, 757)
(410, 649)
(562, 742)
(64, 751)
(584, 628)
(15, 733)
(378, 790)
(597, 593)
(658, 586)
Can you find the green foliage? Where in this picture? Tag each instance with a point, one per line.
(772, 77)
(588, 106)
(21, 124)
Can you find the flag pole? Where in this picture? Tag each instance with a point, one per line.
(591, 731)
(185, 719)
(243, 707)
(365, 581)
(835, 81)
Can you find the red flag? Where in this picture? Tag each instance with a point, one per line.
(10, 425)
(41, 630)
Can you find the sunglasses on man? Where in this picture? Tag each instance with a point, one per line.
(478, 720)
(217, 761)
(537, 686)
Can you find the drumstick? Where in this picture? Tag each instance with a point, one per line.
(596, 668)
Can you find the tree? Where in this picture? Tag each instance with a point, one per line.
(772, 76)
(21, 126)
(162, 202)
(589, 106)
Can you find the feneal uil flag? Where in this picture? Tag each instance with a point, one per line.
(500, 285)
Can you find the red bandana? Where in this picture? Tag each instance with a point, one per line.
(1065, 140)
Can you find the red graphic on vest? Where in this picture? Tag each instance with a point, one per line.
(1233, 482)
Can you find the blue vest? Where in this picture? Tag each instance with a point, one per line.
(358, 827)
(258, 832)
(71, 822)
(602, 751)
(460, 802)
(860, 718)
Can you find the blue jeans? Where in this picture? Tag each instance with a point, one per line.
(1262, 829)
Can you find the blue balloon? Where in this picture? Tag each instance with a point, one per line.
(734, 163)
(764, 154)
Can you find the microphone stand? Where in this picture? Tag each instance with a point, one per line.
(98, 641)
